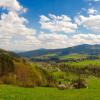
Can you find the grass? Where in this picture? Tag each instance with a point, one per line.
(63, 76)
(84, 63)
(74, 56)
(8, 92)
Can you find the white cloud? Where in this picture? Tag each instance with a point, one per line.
(91, 22)
(54, 23)
(94, 0)
(53, 40)
(85, 38)
(92, 11)
(10, 5)
(14, 33)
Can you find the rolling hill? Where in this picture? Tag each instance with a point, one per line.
(18, 71)
(76, 52)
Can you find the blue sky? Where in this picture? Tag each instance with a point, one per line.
(28, 25)
(57, 7)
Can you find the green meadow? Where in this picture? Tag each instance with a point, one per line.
(8, 92)
(84, 63)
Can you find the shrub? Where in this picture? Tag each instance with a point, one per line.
(27, 75)
(9, 79)
(80, 83)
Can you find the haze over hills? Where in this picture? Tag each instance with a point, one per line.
(80, 49)
(76, 52)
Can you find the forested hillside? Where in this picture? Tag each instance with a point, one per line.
(18, 71)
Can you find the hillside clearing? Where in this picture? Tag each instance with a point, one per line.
(8, 92)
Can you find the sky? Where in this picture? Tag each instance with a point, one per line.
(51, 24)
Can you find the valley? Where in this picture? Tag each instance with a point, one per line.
(76, 73)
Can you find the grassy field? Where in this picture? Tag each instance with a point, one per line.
(8, 92)
(74, 56)
(84, 63)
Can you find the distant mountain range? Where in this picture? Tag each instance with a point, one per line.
(76, 52)
(71, 52)
(80, 51)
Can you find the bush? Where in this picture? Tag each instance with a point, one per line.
(80, 83)
(9, 79)
(28, 76)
